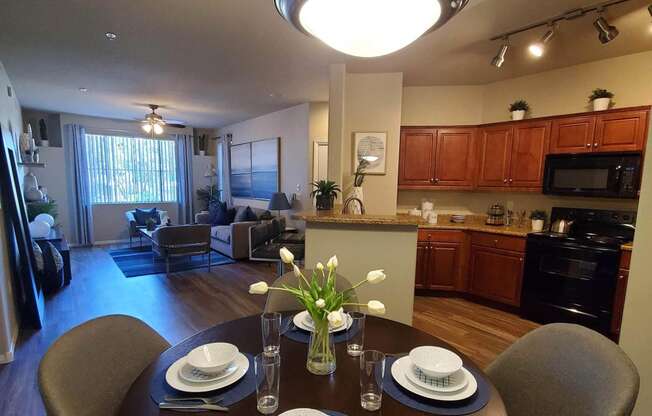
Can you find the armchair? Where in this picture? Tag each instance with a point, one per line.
(182, 240)
(133, 224)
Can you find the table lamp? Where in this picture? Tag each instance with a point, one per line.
(279, 202)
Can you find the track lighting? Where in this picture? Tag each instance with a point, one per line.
(606, 32)
(649, 9)
(537, 49)
(499, 59)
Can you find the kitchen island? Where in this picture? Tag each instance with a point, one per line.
(368, 242)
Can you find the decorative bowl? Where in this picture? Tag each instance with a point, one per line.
(212, 358)
(436, 362)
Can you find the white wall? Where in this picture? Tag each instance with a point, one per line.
(200, 165)
(11, 124)
(292, 126)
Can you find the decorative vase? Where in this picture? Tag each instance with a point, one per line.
(518, 115)
(601, 104)
(537, 226)
(202, 153)
(324, 202)
(321, 350)
(356, 192)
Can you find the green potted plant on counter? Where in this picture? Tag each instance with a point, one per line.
(601, 99)
(538, 218)
(518, 109)
(325, 192)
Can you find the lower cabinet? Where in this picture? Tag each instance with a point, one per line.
(496, 274)
(486, 265)
(439, 256)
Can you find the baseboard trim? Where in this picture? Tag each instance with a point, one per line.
(109, 242)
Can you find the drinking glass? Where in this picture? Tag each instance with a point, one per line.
(355, 334)
(372, 371)
(267, 370)
(271, 325)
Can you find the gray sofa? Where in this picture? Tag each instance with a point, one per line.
(232, 240)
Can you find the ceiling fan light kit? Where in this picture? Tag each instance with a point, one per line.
(368, 28)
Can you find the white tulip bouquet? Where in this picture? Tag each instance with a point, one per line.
(324, 304)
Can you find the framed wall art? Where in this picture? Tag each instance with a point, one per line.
(372, 147)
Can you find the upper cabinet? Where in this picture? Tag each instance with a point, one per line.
(495, 153)
(611, 131)
(437, 158)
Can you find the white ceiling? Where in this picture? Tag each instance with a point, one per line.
(213, 62)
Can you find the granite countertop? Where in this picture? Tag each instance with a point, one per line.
(627, 247)
(477, 223)
(336, 217)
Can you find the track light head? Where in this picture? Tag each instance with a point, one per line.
(499, 59)
(649, 9)
(606, 32)
(537, 49)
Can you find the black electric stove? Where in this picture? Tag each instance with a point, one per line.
(572, 277)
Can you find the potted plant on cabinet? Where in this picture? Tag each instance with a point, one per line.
(538, 218)
(325, 193)
(202, 141)
(518, 109)
(601, 99)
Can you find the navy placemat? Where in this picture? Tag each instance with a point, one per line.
(333, 413)
(299, 335)
(463, 407)
(159, 388)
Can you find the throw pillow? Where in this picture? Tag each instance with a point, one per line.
(142, 215)
(245, 214)
(38, 257)
(220, 215)
(53, 268)
(213, 209)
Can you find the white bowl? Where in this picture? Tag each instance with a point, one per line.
(212, 358)
(435, 361)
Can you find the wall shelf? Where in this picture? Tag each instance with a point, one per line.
(32, 164)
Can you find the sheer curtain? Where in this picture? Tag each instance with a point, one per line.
(81, 194)
(184, 177)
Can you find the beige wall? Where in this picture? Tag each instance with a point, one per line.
(373, 103)
(636, 335)
(318, 130)
(11, 124)
(292, 126)
(561, 91)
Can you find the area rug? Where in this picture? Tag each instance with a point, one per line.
(139, 261)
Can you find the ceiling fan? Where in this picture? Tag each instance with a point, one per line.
(153, 122)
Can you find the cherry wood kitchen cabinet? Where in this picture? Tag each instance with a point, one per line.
(512, 156)
(496, 267)
(604, 131)
(439, 259)
(434, 158)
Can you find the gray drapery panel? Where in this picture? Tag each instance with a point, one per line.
(226, 169)
(184, 178)
(80, 184)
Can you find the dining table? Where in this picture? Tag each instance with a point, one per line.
(338, 392)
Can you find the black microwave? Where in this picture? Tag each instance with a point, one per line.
(607, 175)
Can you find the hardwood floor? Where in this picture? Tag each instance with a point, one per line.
(182, 304)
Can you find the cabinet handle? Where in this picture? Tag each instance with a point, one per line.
(511, 180)
(595, 144)
(495, 242)
(521, 259)
(588, 145)
(505, 180)
(432, 180)
(436, 180)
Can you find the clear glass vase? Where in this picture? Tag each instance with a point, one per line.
(321, 350)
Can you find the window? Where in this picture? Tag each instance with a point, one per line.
(131, 169)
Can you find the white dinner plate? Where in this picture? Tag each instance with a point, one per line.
(301, 323)
(454, 382)
(193, 375)
(176, 382)
(303, 412)
(403, 365)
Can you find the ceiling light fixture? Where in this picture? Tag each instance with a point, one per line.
(153, 122)
(368, 28)
(111, 36)
(499, 59)
(537, 49)
(649, 9)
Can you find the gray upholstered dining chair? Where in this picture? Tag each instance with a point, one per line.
(565, 370)
(182, 240)
(89, 369)
(278, 301)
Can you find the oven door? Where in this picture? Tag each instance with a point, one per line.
(568, 282)
(614, 175)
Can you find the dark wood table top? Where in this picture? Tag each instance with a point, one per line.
(339, 391)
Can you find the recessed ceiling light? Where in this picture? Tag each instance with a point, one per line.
(111, 36)
(83, 89)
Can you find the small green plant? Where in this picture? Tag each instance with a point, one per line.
(150, 223)
(360, 172)
(202, 140)
(325, 188)
(49, 207)
(538, 214)
(519, 105)
(600, 93)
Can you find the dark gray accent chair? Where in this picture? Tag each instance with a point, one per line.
(232, 240)
(182, 241)
(565, 370)
(134, 226)
(279, 301)
(89, 369)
